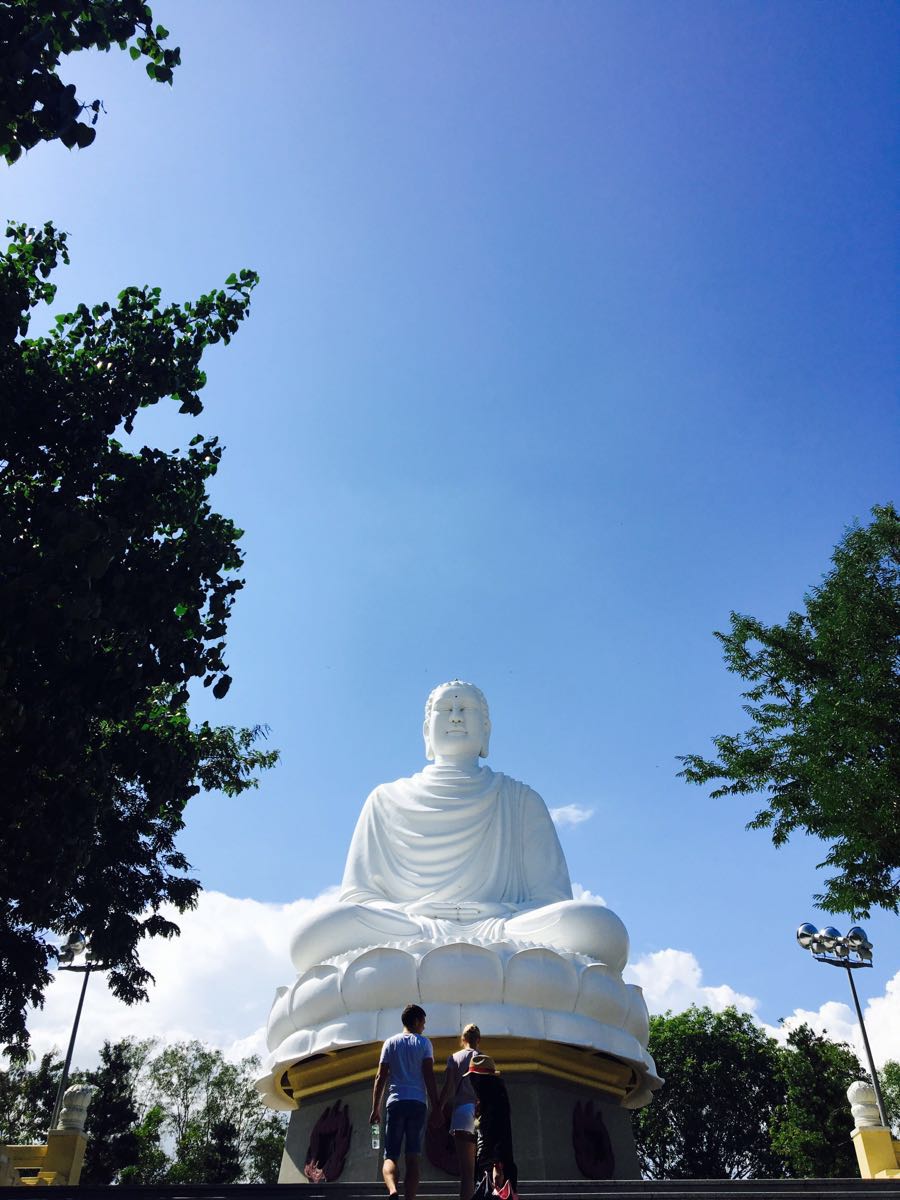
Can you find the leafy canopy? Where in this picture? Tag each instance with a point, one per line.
(180, 1115)
(824, 702)
(27, 1096)
(222, 1132)
(35, 104)
(711, 1118)
(889, 1077)
(116, 582)
(736, 1104)
(810, 1128)
(114, 1142)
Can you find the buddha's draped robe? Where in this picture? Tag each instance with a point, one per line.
(482, 842)
(447, 855)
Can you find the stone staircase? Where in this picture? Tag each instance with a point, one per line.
(566, 1189)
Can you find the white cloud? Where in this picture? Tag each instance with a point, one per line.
(881, 1015)
(215, 983)
(582, 893)
(570, 814)
(673, 979)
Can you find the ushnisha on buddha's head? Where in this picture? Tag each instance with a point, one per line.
(457, 726)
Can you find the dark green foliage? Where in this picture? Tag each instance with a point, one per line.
(180, 1116)
(263, 1162)
(889, 1078)
(811, 1129)
(117, 582)
(207, 1154)
(26, 1100)
(220, 1128)
(737, 1104)
(113, 1141)
(220, 1160)
(824, 745)
(152, 1163)
(35, 104)
(711, 1118)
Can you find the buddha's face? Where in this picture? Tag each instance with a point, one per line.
(456, 726)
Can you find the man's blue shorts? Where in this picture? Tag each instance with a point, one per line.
(404, 1121)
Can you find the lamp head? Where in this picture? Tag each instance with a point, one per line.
(805, 934)
(829, 937)
(75, 943)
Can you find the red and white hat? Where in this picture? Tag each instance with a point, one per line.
(482, 1064)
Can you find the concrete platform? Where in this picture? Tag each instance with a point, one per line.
(612, 1189)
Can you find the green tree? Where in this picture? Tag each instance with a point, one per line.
(180, 1115)
(27, 1096)
(208, 1153)
(221, 1159)
(889, 1078)
(216, 1120)
(263, 1163)
(151, 1163)
(824, 701)
(811, 1128)
(117, 582)
(711, 1118)
(113, 1141)
(35, 104)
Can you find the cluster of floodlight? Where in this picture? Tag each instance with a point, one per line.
(829, 941)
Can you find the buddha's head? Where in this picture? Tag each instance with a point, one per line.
(457, 722)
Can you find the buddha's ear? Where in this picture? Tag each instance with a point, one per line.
(485, 741)
(429, 751)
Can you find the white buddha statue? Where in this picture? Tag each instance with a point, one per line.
(456, 893)
(457, 851)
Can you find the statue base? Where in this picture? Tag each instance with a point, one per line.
(509, 990)
(567, 1118)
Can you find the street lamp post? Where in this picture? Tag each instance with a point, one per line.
(850, 951)
(74, 944)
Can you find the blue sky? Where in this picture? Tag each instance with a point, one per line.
(576, 331)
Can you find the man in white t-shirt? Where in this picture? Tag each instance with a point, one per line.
(406, 1066)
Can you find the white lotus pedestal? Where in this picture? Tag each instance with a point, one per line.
(568, 1035)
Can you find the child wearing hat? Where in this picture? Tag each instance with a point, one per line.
(494, 1151)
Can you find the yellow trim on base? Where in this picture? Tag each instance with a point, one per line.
(57, 1162)
(877, 1153)
(512, 1055)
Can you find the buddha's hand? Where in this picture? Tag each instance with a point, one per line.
(463, 910)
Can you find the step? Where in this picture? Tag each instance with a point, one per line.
(565, 1189)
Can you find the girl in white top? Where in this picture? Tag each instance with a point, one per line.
(460, 1092)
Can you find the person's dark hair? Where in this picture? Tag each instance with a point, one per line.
(410, 1015)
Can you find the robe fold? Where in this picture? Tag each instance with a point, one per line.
(443, 837)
